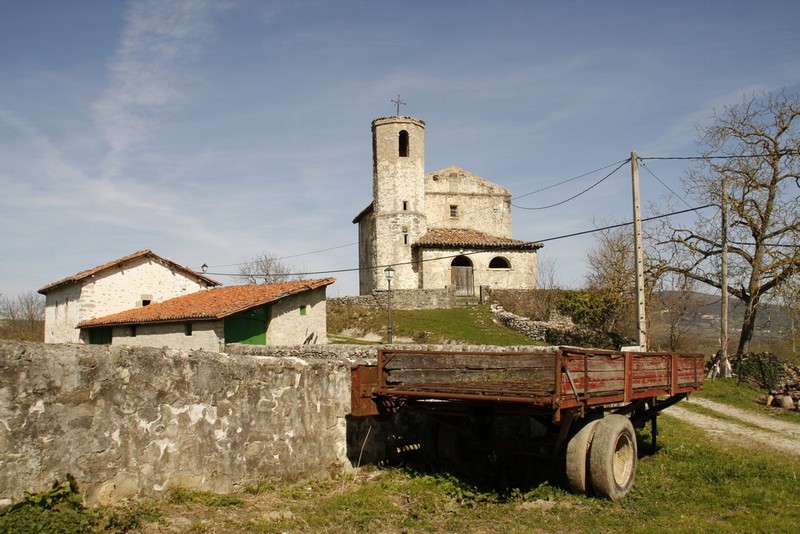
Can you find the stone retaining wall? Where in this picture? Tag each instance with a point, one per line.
(136, 421)
(128, 421)
(403, 299)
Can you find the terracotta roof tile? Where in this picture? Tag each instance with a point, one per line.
(206, 304)
(462, 237)
(141, 254)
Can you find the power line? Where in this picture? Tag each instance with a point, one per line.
(564, 236)
(551, 186)
(665, 185)
(573, 197)
(571, 179)
(619, 165)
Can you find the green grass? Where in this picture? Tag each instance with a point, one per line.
(690, 485)
(467, 325)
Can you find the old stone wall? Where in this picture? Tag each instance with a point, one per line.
(135, 421)
(402, 299)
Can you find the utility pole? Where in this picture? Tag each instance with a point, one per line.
(641, 322)
(723, 333)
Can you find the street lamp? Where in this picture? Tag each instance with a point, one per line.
(389, 273)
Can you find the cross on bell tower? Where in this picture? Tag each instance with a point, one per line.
(398, 103)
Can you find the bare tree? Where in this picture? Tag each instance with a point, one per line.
(676, 299)
(612, 274)
(753, 148)
(788, 295)
(23, 317)
(266, 268)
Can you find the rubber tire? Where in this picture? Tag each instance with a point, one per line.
(578, 457)
(429, 442)
(448, 447)
(612, 457)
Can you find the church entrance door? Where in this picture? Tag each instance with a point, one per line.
(461, 276)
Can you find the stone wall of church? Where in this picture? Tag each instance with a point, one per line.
(521, 275)
(455, 198)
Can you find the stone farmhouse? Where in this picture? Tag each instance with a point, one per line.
(289, 313)
(136, 280)
(146, 300)
(447, 229)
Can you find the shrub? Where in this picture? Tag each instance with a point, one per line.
(762, 369)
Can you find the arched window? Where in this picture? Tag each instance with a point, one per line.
(461, 261)
(403, 149)
(499, 263)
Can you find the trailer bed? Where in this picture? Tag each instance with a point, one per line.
(549, 380)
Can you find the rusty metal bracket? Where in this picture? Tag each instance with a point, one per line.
(571, 383)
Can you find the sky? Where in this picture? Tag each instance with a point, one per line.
(212, 131)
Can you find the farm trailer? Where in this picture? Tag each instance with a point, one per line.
(580, 404)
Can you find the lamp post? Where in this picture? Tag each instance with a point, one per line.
(389, 273)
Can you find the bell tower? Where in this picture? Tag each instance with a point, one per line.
(398, 195)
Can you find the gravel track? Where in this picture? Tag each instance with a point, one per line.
(775, 434)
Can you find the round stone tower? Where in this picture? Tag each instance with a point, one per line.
(398, 194)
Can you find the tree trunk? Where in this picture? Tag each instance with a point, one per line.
(748, 325)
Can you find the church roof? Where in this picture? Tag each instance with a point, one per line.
(121, 261)
(462, 237)
(208, 304)
(455, 172)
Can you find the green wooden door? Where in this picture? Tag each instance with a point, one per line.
(249, 328)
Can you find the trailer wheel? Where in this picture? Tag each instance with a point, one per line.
(578, 457)
(612, 457)
(441, 444)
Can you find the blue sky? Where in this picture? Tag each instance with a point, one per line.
(212, 131)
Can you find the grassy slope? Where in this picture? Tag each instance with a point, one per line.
(469, 325)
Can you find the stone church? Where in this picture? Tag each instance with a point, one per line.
(447, 228)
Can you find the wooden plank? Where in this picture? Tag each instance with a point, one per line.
(469, 361)
(433, 376)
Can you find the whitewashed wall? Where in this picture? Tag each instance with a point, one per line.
(111, 291)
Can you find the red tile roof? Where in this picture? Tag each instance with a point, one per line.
(208, 304)
(136, 255)
(461, 237)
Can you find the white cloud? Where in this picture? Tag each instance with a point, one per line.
(149, 73)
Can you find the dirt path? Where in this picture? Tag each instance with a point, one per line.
(750, 429)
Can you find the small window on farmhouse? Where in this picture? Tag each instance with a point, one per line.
(499, 263)
(302, 310)
(187, 329)
(453, 211)
(403, 149)
(133, 330)
(145, 300)
(405, 205)
(405, 238)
